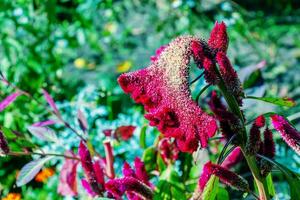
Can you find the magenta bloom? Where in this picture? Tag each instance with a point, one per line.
(233, 158)
(95, 181)
(227, 177)
(163, 89)
(135, 183)
(289, 134)
(218, 37)
(168, 150)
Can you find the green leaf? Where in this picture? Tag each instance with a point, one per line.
(222, 194)
(143, 137)
(149, 158)
(270, 184)
(211, 189)
(160, 163)
(9, 135)
(291, 177)
(274, 100)
(29, 171)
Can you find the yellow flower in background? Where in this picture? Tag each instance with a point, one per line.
(110, 27)
(12, 196)
(124, 66)
(43, 175)
(80, 63)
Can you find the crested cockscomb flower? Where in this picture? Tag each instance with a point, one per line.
(4, 148)
(135, 183)
(163, 89)
(229, 123)
(233, 158)
(168, 150)
(93, 180)
(230, 76)
(254, 141)
(268, 150)
(227, 177)
(218, 39)
(289, 134)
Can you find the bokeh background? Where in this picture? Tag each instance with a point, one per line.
(77, 49)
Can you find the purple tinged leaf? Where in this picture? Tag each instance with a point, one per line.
(9, 99)
(43, 133)
(30, 170)
(82, 121)
(44, 123)
(88, 188)
(50, 101)
(3, 144)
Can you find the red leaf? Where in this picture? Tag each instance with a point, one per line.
(68, 179)
(9, 99)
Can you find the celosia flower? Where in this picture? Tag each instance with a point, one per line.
(254, 141)
(124, 132)
(135, 183)
(233, 158)
(218, 39)
(230, 76)
(88, 168)
(227, 177)
(229, 123)
(268, 151)
(210, 74)
(3, 144)
(68, 179)
(289, 134)
(168, 150)
(157, 53)
(163, 89)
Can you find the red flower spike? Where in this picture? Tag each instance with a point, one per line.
(168, 150)
(210, 74)
(230, 76)
(124, 132)
(260, 121)
(140, 171)
(233, 158)
(68, 179)
(254, 140)
(218, 39)
(128, 184)
(198, 52)
(3, 144)
(227, 177)
(163, 89)
(289, 134)
(268, 151)
(88, 168)
(128, 171)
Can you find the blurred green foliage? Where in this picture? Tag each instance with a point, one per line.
(73, 48)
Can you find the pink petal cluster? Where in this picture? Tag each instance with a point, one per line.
(168, 150)
(163, 89)
(135, 183)
(68, 179)
(227, 177)
(94, 183)
(289, 134)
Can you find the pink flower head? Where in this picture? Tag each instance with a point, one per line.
(218, 39)
(3, 144)
(157, 53)
(226, 176)
(124, 132)
(230, 76)
(135, 183)
(233, 158)
(163, 89)
(68, 177)
(168, 150)
(289, 134)
(93, 179)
